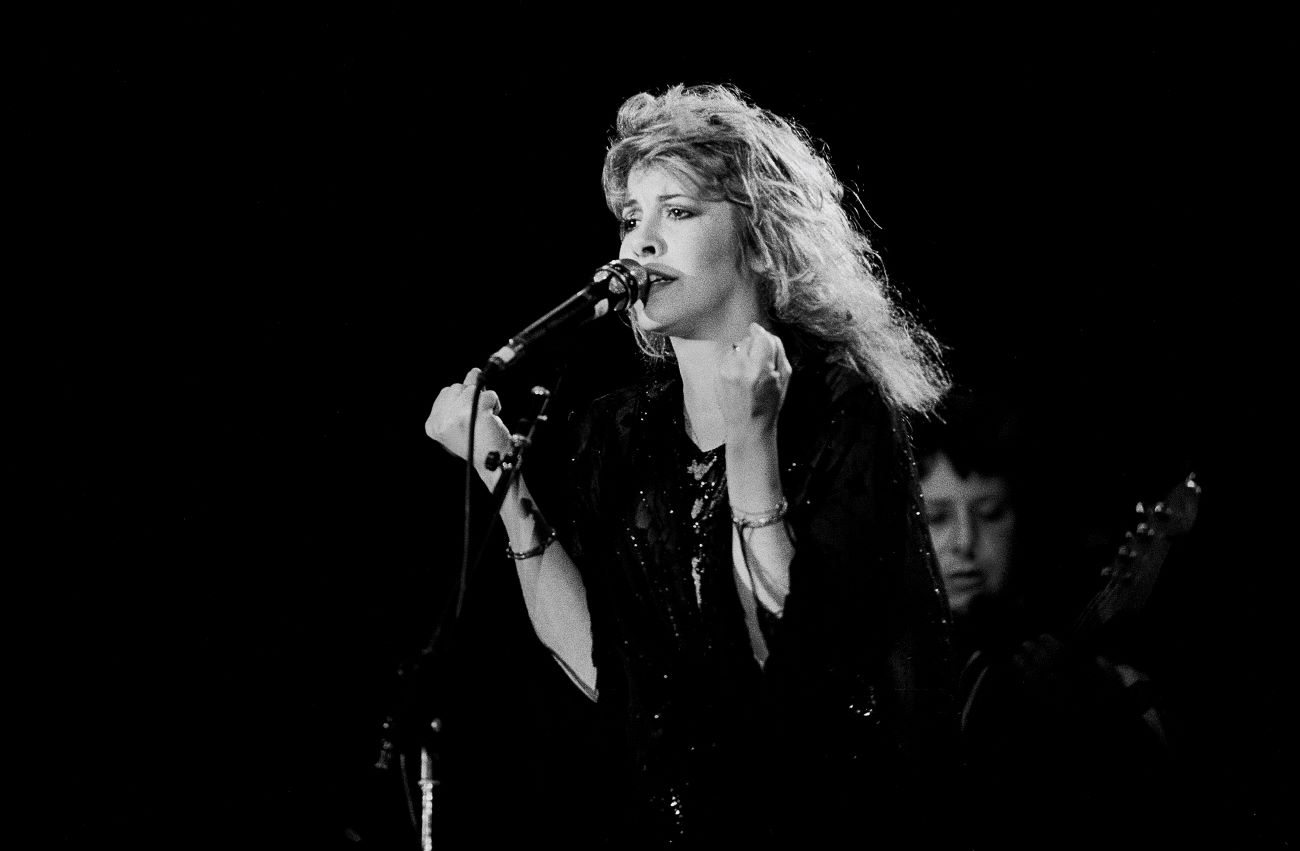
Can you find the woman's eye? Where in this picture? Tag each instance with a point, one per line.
(626, 226)
(677, 213)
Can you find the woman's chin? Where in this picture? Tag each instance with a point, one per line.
(960, 599)
(646, 319)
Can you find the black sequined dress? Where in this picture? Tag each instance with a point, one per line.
(852, 716)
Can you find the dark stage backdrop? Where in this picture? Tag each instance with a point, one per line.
(255, 245)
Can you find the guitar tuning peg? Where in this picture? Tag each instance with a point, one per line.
(1192, 484)
(1125, 552)
(1141, 510)
(1144, 530)
(1160, 510)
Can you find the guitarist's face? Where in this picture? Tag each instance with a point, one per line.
(973, 524)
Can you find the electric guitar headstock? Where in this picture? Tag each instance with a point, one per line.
(1131, 575)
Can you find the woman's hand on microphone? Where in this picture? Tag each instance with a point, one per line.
(448, 423)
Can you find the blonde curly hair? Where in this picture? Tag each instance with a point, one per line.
(820, 275)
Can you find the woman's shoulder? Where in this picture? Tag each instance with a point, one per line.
(646, 391)
(619, 412)
(834, 387)
(833, 411)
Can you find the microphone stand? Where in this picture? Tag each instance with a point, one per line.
(428, 731)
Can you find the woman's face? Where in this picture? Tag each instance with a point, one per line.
(690, 246)
(973, 525)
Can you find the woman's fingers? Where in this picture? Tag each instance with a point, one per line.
(758, 348)
(448, 420)
(444, 407)
(763, 349)
(752, 377)
(781, 362)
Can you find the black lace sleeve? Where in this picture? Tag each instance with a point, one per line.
(590, 464)
(859, 661)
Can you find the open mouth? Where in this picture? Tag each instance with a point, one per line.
(656, 279)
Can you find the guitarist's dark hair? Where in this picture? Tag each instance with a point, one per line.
(979, 433)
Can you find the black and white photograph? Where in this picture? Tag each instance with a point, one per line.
(652, 428)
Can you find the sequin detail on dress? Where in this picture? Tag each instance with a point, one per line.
(705, 491)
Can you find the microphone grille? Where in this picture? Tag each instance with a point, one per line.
(630, 273)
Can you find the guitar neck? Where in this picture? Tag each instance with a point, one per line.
(1131, 576)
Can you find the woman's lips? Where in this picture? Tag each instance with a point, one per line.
(656, 283)
(964, 580)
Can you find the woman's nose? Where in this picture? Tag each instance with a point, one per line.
(644, 241)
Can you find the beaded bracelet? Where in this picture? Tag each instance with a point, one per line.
(535, 551)
(744, 520)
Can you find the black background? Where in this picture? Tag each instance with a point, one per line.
(253, 245)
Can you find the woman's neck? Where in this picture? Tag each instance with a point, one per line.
(697, 361)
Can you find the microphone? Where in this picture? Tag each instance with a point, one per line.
(615, 286)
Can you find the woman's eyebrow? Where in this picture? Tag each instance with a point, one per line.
(659, 198)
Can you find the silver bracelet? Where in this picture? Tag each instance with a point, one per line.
(535, 551)
(745, 520)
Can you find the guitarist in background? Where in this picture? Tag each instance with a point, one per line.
(1063, 739)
